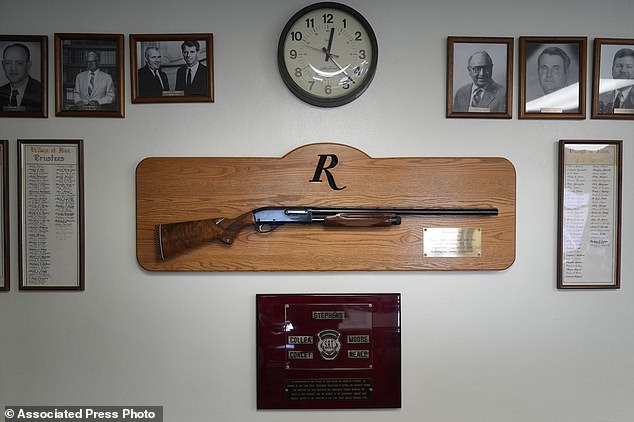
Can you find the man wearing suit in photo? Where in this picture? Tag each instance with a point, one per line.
(22, 92)
(93, 87)
(623, 97)
(554, 87)
(484, 94)
(192, 76)
(152, 81)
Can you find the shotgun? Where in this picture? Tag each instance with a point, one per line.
(173, 238)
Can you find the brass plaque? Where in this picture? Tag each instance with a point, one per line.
(449, 242)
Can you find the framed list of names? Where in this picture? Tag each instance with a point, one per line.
(589, 242)
(51, 226)
(4, 216)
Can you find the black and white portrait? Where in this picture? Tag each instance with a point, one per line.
(553, 77)
(171, 68)
(89, 75)
(23, 76)
(613, 80)
(479, 72)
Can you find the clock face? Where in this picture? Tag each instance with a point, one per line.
(327, 54)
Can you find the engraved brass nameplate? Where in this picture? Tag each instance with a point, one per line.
(451, 242)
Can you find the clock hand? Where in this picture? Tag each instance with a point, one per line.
(332, 33)
(321, 50)
(330, 56)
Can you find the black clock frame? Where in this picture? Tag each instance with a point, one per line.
(312, 99)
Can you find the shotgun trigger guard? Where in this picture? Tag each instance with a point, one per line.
(266, 227)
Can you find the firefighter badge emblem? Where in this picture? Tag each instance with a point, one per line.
(329, 344)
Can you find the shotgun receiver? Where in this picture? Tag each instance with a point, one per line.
(174, 238)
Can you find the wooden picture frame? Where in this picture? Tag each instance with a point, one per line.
(552, 78)
(5, 281)
(51, 214)
(159, 64)
(613, 79)
(482, 91)
(24, 79)
(76, 55)
(589, 214)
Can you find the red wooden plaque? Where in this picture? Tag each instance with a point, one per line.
(329, 351)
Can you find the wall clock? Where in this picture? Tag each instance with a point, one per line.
(327, 54)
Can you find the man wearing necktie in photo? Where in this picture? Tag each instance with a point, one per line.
(152, 81)
(93, 87)
(622, 98)
(484, 94)
(192, 76)
(22, 92)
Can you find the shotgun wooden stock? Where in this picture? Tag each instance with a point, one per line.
(174, 238)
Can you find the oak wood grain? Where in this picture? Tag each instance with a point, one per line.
(174, 189)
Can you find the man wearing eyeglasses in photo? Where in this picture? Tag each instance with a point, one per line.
(484, 94)
(93, 87)
(22, 92)
(623, 97)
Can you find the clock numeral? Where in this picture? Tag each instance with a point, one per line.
(296, 36)
(357, 36)
(298, 72)
(311, 83)
(362, 54)
(328, 89)
(357, 71)
(310, 23)
(345, 22)
(293, 54)
(327, 17)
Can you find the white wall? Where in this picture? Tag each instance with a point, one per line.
(488, 346)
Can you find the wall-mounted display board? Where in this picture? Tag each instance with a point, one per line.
(471, 225)
(589, 235)
(328, 351)
(51, 220)
(4, 216)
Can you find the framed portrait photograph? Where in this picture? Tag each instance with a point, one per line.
(23, 80)
(4, 216)
(552, 78)
(171, 68)
(613, 79)
(89, 75)
(51, 214)
(479, 77)
(589, 215)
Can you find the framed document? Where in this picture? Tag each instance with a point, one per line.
(5, 281)
(328, 351)
(479, 72)
(89, 75)
(23, 81)
(589, 232)
(613, 79)
(51, 214)
(172, 68)
(552, 78)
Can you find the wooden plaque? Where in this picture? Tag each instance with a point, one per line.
(173, 189)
